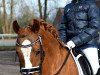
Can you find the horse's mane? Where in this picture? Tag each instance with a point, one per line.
(49, 28)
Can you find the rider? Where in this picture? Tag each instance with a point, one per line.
(79, 28)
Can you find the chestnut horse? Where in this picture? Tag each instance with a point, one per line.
(40, 52)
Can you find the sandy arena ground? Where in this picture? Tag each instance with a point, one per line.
(8, 65)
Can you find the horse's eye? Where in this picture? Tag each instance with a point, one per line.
(37, 52)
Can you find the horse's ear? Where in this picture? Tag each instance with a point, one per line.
(16, 26)
(35, 25)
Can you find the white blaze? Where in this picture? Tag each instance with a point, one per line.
(26, 53)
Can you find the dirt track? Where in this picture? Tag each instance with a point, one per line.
(9, 70)
(8, 65)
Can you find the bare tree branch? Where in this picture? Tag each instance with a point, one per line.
(40, 9)
(45, 10)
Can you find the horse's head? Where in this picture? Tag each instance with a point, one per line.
(29, 45)
(39, 51)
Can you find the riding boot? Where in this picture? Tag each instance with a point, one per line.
(92, 55)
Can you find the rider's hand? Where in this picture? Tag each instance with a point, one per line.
(70, 44)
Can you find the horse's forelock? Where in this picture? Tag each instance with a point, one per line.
(24, 31)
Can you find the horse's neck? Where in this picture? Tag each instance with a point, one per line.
(55, 55)
(53, 47)
(51, 44)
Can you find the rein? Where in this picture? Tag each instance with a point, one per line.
(58, 72)
(36, 69)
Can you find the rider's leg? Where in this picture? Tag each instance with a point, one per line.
(92, 55)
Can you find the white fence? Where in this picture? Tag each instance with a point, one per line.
(7, 42)
(8, 35)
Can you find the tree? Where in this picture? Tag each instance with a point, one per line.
(0, 18)
(7, 26)
(40, 9)
(26, 14)
(43, 16)
(0, 22)
(45, 10)
(5, 20)
(11, 15)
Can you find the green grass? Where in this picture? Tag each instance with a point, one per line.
(7, 48)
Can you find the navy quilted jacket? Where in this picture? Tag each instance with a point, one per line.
(80, 23)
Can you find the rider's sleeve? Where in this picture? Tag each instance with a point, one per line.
(93, 26)
(62, 28)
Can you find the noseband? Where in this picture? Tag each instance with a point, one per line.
(36, 69)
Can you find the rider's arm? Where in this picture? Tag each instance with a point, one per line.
(93, 26)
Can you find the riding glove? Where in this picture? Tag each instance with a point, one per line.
(70, 44)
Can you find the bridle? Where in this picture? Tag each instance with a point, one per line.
(36, 69)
